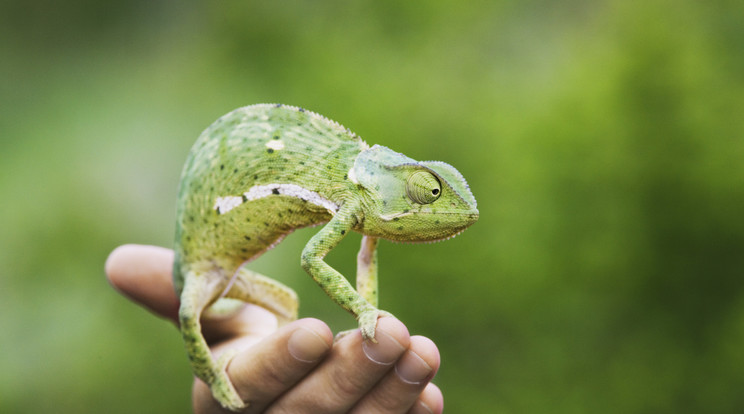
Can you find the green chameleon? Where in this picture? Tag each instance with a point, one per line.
(262, 171)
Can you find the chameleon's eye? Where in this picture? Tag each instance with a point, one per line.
(423, 187)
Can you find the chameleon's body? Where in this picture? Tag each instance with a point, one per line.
(260, 172)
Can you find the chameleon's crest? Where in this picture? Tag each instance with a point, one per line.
(314, 117)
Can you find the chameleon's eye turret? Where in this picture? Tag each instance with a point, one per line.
(423, 187)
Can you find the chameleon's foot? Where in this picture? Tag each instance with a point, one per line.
(222, 388)
(368, 323)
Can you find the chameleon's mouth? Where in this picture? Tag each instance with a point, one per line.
(470, 218)
(430, 241)
(455, 231)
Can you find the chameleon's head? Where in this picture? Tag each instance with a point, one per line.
(411, 201)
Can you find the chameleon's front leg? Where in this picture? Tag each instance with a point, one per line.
(334, 283)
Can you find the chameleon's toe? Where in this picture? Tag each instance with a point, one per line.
(222, 388)
(368, 323)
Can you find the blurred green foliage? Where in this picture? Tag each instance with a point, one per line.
(603, 139)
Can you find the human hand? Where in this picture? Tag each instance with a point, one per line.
(297, 368)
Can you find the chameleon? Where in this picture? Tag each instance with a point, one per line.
(262, 171)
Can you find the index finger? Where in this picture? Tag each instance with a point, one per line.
(144, 274)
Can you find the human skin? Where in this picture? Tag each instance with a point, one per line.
(297, 368)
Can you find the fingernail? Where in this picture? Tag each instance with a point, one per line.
(306, 345)
(385, 351)
(412, 369)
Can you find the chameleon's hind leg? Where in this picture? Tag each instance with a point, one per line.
(199, 291)
(366, 276)
(265, 292)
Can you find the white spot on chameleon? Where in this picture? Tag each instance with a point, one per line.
(225, 204)
(292, 190)
(275, 144)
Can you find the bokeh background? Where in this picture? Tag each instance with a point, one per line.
(604, 141)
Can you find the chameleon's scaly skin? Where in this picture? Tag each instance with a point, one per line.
(260, 172)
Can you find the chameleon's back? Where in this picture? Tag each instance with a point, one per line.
(257, 147)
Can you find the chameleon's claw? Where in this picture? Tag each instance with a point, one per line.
(222, 388)
(368, 323)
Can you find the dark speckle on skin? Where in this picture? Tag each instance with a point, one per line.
(400, 227)
(275, 191)
(343, 232)
(269, 150)
(276, 136)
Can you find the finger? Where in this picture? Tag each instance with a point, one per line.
(238, 330)
(271, 367)
(400, 388)
(143, 273)
(430, 401)
(349, 372)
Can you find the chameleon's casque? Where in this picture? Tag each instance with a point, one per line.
(260, 172)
